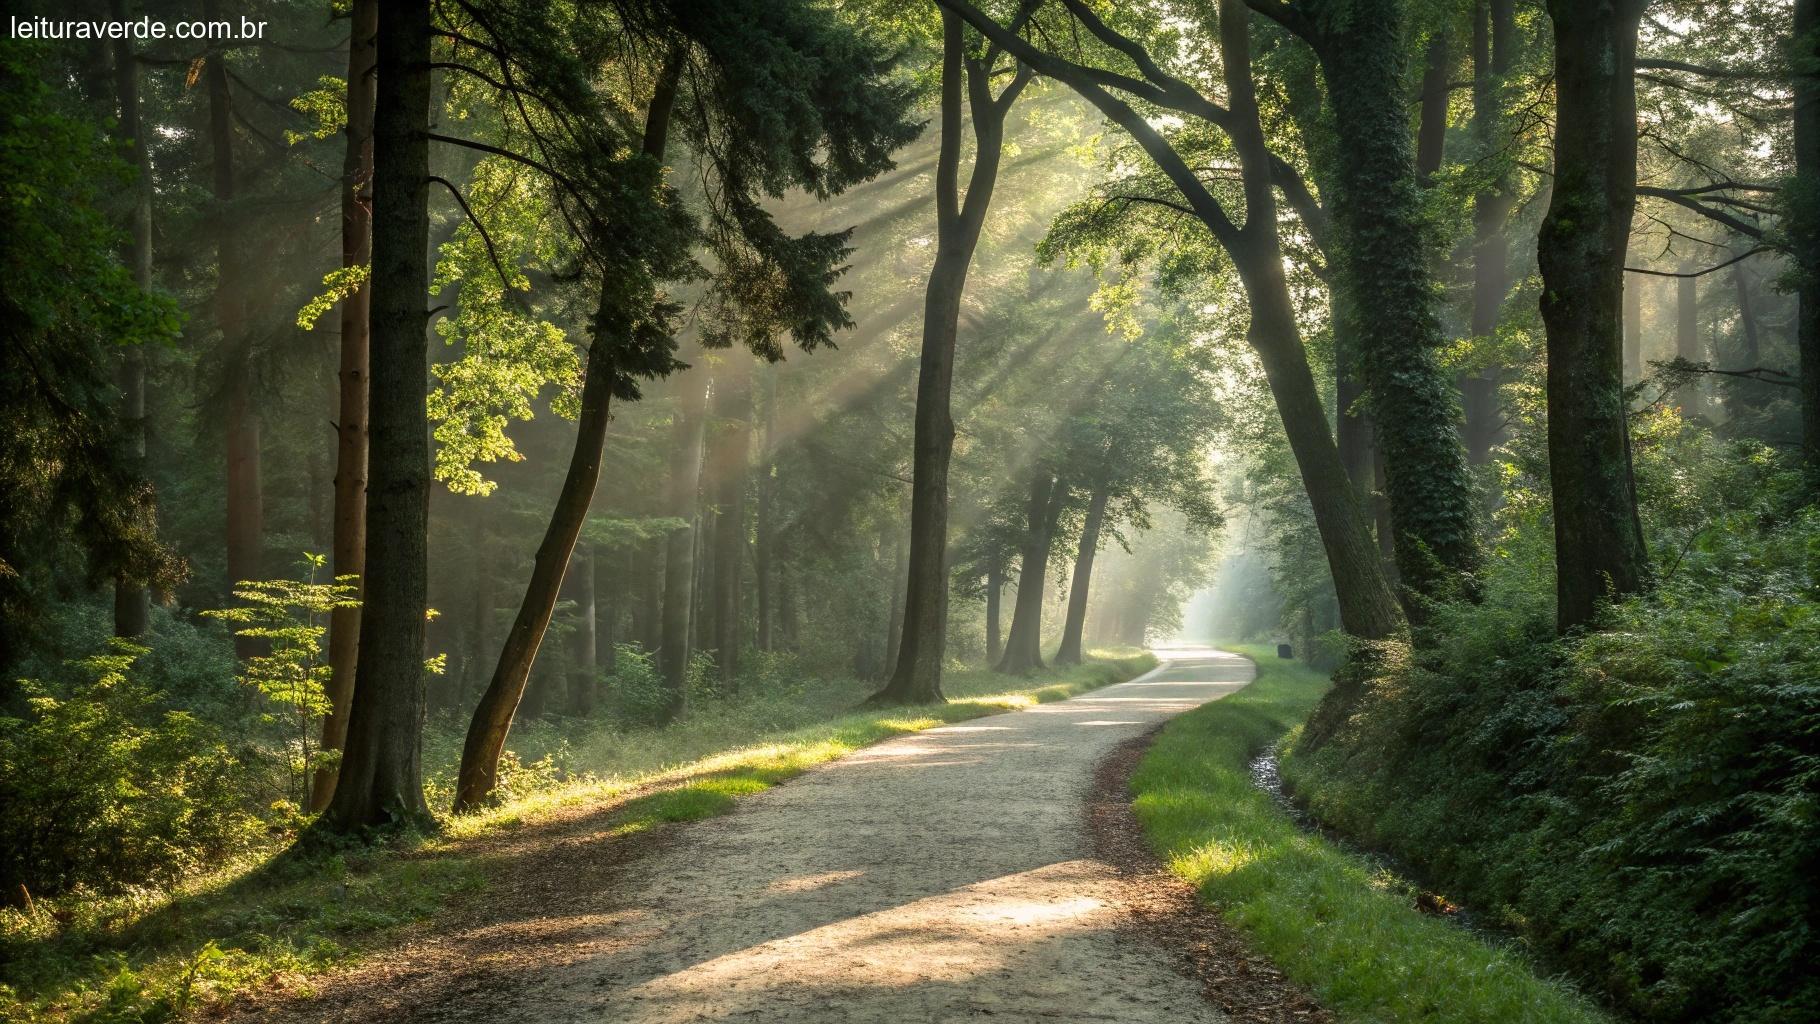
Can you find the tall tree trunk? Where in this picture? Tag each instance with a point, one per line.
(1023, 646)
(1494, 40)
(1599, 549)
(894, 622)
(492, 720)
(687, 419)
(381, 778)
(1692, 398)
(765, 529)
(995, 591)
(245, 512)
(1382, 261)
(486, 739)
(587, 635)
(728, 467)
(606, 628)
(1074, 626)
(1633, 329)
(350, 524)
(132, 605)
(1806, 236)
(916, 676)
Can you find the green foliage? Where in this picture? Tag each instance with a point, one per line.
(288, 620)
(106, 784)
(1637, 802)
(69, 305)
(636, 691)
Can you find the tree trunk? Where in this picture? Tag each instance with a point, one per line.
(995, 590)
(245, 513)
(493, 717)
(606, 642)
(1075, 624)
(1382, 262)
(486, 739)
(132, 605)
(1633, 329)
(1494, 41)
(894, 621)
(1599, 550)
(765, 529)
(916, 676)
(1023, 646)
(587, 636)
(727, 471)
(381, 778)
(350, 525)
(1692, 398)
(686, 434)
(1806, 236)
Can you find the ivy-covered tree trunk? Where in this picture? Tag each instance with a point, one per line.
(1599, 549)
(1023, 645)
(349, 517)
(1075, 624)
(1382, 261)
(381, 778)
(1806, 57)
(1493, 51)
(728, 466)
(916, 675)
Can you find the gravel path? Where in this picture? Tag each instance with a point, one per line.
(935, 877)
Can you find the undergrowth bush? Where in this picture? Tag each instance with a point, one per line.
(1638, 802)
(107, 782)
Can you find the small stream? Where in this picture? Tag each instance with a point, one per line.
(1387, 871)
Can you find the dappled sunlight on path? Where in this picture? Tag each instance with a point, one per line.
(939, 876)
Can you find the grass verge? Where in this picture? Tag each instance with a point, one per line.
(1342, 927)
(154, 956)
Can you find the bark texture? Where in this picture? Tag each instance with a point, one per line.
(349, 517)
(381, 779)
(1599, 549)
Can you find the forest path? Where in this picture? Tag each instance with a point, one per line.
(939, 876)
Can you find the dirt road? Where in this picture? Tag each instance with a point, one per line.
(945, 875)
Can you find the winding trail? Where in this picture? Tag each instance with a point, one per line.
(940, 876)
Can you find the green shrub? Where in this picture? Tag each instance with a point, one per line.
(106, 784)
(636, 692)
(1639, 803)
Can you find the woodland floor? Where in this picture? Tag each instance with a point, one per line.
(984, 869)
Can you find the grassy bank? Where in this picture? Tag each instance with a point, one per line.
(1333, 922)
(154, 956)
